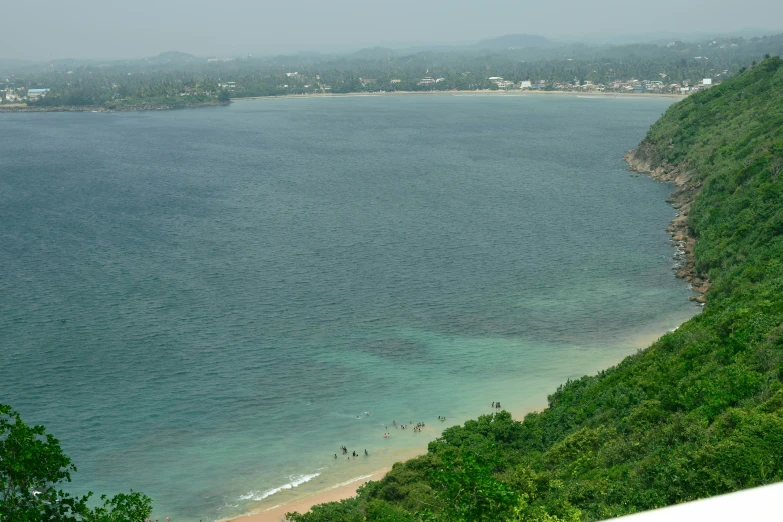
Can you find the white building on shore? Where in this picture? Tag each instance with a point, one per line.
(34, 94)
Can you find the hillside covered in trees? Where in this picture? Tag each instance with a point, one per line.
(698, 413)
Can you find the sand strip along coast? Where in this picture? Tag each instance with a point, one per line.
(335, 494)
(586, 94)
(347, 490)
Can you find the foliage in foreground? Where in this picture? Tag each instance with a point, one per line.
(699, 413)
(33, 467)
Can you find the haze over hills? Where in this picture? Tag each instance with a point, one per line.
(513, 41)
(173, 57)
(509, 42)
(664, 37)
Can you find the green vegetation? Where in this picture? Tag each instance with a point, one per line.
(699, 413)
(33, 467)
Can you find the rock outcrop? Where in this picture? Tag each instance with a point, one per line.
(687, 186)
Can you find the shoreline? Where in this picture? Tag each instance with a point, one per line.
(304, 504)
(100, 108)
(641, 161)
(16, 108)
(462, 93)
(349, 489)
(638, 161)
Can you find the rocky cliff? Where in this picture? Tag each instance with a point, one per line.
(644, 160)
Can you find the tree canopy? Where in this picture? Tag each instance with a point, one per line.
(33, 468)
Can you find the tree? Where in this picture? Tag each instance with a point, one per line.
(465, 485)
(33, 467)
(224, 96)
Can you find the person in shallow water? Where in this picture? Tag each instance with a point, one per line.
(366, 454)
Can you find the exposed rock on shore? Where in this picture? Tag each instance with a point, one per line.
(687, 187)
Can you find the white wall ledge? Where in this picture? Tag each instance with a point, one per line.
(763, 504)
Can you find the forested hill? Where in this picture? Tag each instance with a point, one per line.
(699, 413)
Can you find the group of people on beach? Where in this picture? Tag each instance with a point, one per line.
(386, 434)
(353, 454)
(416, 429)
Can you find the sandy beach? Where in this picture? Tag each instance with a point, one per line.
(464, 93)
(335, 494)
(347, 490)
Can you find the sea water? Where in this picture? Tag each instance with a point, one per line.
(203, 305)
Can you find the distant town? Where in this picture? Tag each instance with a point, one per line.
(13, 94)
(176, 79)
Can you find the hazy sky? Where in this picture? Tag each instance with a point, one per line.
(47, 29)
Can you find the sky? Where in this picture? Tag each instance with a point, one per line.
(48, 29)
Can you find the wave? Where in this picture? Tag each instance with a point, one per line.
(295, 481)
(341, 484)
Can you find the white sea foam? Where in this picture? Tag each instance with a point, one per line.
(357, 479)
(295, 481)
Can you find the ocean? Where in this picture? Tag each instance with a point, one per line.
(204, 304)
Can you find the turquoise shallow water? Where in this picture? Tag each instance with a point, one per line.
(199, 304)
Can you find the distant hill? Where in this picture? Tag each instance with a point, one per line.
(513, 41)
(374, 53)
(11, 64)
(172, 57)
(13, 61)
